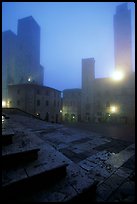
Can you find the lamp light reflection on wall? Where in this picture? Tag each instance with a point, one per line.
(3, 103)
(8, 104)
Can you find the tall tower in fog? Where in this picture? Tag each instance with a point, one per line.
(29, 50)
(122, 38)
(9, 53)
(21, 55)
(88, 76)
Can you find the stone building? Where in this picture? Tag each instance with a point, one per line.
(41, 101)
(106, 99)
(21, 55)
(88, 76)
(122, 38)
(71, 110)
(9, 69)
(115, 100)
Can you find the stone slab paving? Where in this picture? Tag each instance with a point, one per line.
(48, 158)
(120, 158)
(106, 160)
(67, 188)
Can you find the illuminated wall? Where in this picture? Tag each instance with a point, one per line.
(71, 105)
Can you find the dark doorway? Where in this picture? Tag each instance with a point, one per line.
(47, 117)
(56, 118)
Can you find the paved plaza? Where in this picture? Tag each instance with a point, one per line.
(108, 162)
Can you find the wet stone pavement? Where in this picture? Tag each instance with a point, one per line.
(108, 161)
(111, 162)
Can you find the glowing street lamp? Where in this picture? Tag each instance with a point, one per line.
(3, 119)
(29, 79)
(118, 75)
(113, 109)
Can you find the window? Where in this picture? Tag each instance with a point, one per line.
(54, 103)
(47, 103)
(98, 105)
(47, 92)
(99, 113)
(38, 102)
(87, 106)
(38, 92)
(107, 104)
(18, 102)
(18, 91)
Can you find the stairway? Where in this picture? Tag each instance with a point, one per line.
(27, 168)
(34, 171)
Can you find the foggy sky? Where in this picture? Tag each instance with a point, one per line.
(69, 32)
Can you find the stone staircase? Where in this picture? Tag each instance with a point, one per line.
(34, 171)
(26, 167)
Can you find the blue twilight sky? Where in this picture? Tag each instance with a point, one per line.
(70, 31)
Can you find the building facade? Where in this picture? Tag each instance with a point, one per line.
(106, 99)
(21, 55)
(71, 109)
(114, 100)
(41, 101)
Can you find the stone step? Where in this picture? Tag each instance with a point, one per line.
(76, 186)
(11, 159)
(7, 137)
(62, 184)
(49, 167)
(20, 183)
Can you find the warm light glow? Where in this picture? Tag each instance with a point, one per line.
(113, 109)
(3, 118)
(118, 75)
(8, 104)
(60, 111)
(3, 103)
